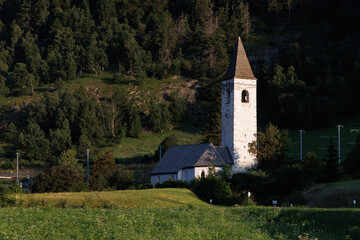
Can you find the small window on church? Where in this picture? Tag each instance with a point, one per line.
(227, 96)
(245, 96)
(159, 179)
(202, 174)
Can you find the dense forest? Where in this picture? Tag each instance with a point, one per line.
(305, 54)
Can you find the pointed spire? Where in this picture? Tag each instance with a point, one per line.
(239, 66)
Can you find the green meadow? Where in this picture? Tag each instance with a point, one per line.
(166, 214)
(317, 140)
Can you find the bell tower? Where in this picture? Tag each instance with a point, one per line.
(238, 109)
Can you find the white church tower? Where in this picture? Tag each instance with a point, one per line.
(238, 109)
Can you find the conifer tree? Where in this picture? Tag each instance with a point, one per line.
(352, 161)
(331, 166)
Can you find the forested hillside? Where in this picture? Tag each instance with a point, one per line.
(305, 54)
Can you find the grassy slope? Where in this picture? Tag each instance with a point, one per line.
(179, 215)
(131, 148)
(315, 140)
(151, 198)
(338, 194)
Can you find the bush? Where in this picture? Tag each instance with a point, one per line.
(243, 199)
(144, 186)
(121, 178)
(165, 145)
(212, 187)
(254, 181)
(296, 198)
(4, 198)
(62, 178)
(172, 184)
(289, 178)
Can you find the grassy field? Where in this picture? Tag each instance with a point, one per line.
(172, 214)
(151, 198)
(317, 140)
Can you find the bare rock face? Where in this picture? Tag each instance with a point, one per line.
(187, 90)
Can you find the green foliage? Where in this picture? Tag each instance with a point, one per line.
(177, 107)
(33, 143)
(108, 175)
(104, 167)
(352, 161)
(62, 178)
(271, 147)
(11, 133)
(296, 198)
(313, 167)
(213, 126)
(121, 178)
(69, 157)
(288, 179)
(134, 123)
(212, 187)
(4, 198)
(331, 165)
(60, 139)
(169, 141)
(172, 184)
(253, 181)
(23, 79)
(3, 88)
(159, 117)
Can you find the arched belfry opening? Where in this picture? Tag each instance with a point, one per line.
(245, 96)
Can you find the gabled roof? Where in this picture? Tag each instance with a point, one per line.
(200, 155)
(239, 66)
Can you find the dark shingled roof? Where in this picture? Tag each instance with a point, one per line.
(239, 66)
(200, 155)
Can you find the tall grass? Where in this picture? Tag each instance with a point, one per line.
(181, 222)
(151, 198)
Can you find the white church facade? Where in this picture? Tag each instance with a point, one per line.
(238, 129)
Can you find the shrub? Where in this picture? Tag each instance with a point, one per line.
(312, 167)
(296, 198)
(212, 187)
(172, 184)
(62, 178)
(5, 200)
(288, 179)
(177, 107)
(253, 181)
(121, 178)
(144, 186)
(165, 145)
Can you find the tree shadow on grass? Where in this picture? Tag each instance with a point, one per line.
(314, 224)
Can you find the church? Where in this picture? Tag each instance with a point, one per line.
(238, 129)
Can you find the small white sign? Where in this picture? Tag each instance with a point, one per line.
(274, 202)
(249, 194)
(210, 201)
(354, 202)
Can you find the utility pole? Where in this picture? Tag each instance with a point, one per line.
(339, 127)
(87, 165)
(17, 166)
(301, 133)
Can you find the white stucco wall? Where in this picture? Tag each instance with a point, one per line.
(160, 178)
(239, 121)
(187, 174)
(198, 170)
